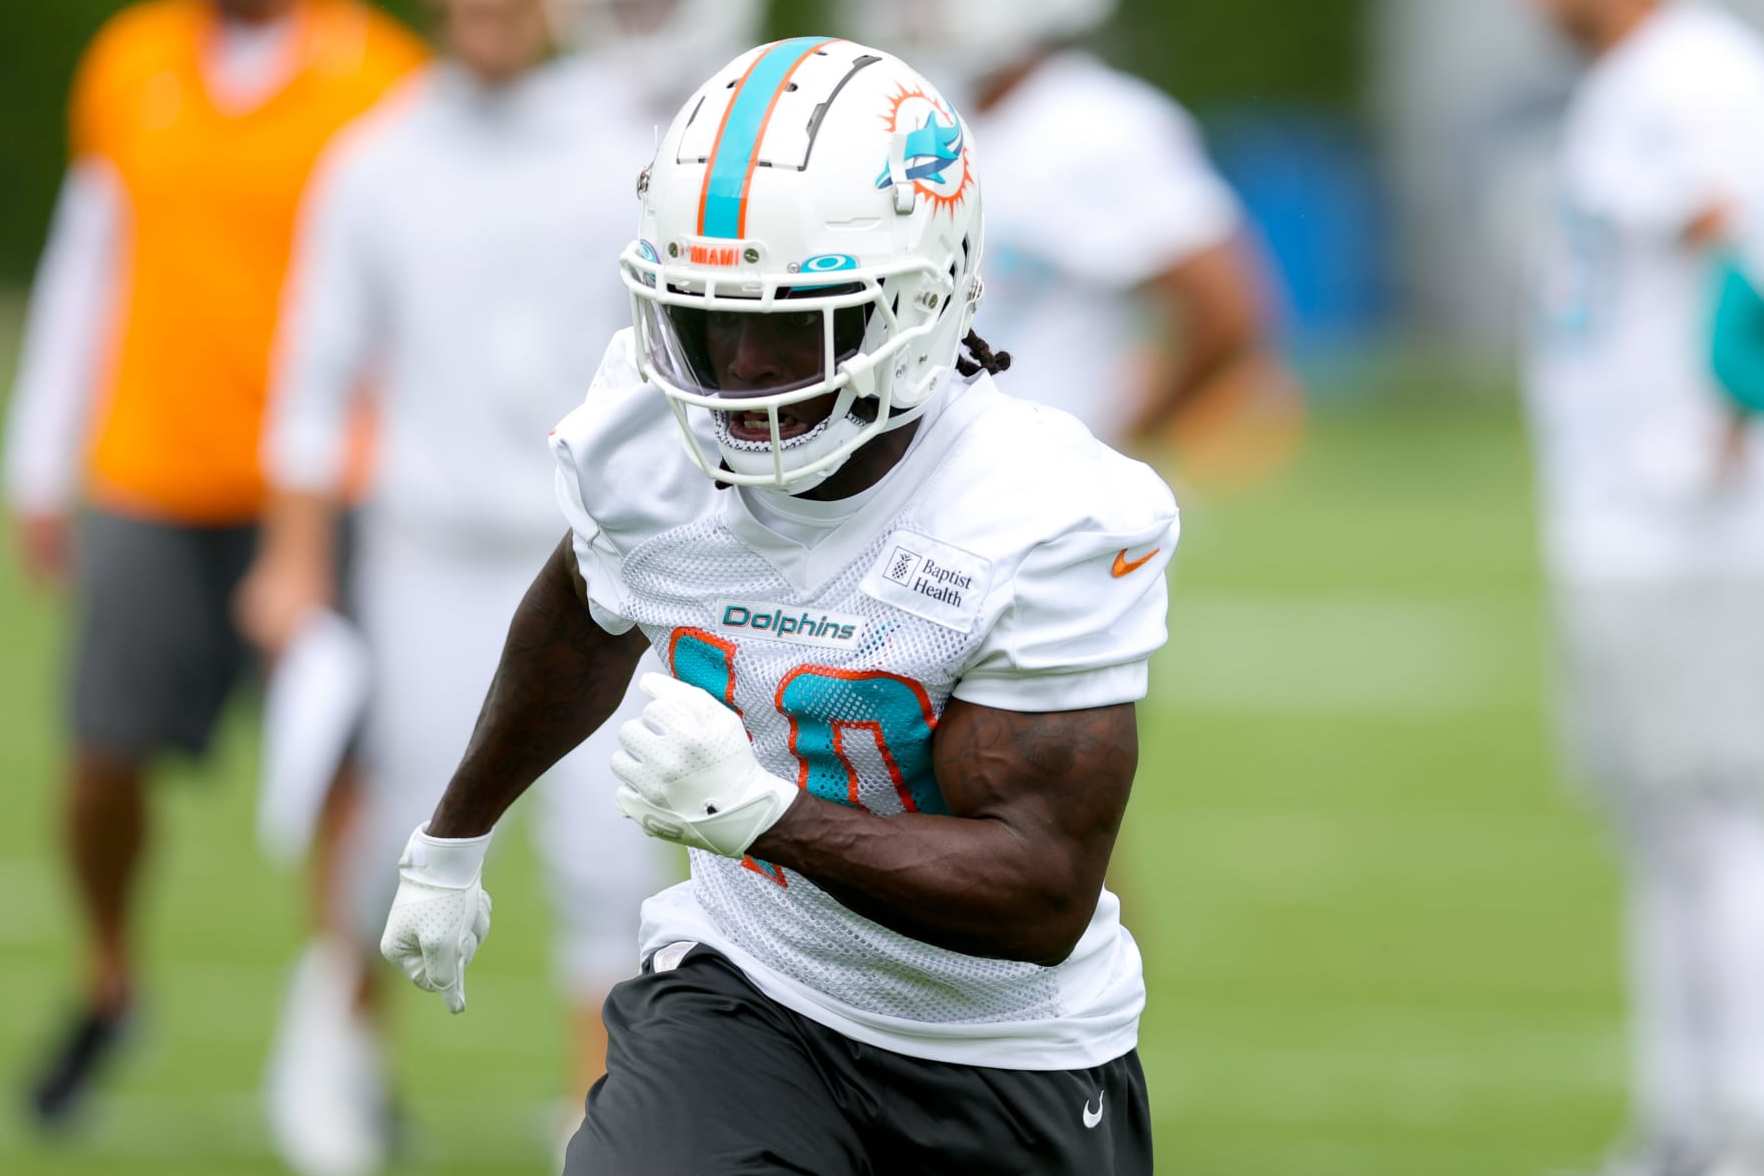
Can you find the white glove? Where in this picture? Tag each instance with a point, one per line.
(440, 914)
(689, 774)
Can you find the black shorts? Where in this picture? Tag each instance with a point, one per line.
(708, 1077)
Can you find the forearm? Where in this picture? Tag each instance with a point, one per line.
(1017, 872)
(559, 678)
(1216, 324)
(966, 884)
(301, 527)
(1217, 376)
(295, 574)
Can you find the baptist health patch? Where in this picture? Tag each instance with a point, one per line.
(789, 622)
(932, 580)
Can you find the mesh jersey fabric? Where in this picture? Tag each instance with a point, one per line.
(841, 684)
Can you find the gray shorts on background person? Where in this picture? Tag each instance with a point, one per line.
(155, 651)
(156, 654)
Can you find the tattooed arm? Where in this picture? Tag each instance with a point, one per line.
(560, 677)
(1015, 871)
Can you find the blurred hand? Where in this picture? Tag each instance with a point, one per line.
(279, 595)
(1247, 427)
(45, 546)
(1730, 462)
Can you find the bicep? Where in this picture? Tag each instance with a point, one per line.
(563, 559)
(557, 655)
(1059, 780)
(564, 574)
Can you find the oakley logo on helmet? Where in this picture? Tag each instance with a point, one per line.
(826, 263)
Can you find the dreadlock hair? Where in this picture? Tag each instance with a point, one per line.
(981, 358)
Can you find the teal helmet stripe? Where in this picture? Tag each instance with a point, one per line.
(723, 205)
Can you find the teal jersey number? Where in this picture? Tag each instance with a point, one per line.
(822, 704)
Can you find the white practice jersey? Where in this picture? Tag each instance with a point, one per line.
(1010, 560)
(1078, 219)
(1629, 423)
(459, 252)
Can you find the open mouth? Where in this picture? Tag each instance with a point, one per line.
(757, 426)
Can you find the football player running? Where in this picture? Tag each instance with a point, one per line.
(1105, 216)
(1653, 509)
(906, 620)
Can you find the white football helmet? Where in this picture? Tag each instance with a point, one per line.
(972, 38)
(810, 232)
(663, 44)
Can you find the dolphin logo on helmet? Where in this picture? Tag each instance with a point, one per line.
(930, 151)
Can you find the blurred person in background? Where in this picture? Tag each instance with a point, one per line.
(1653, 515)
(141, 389)
(1111, 237)
(460, 244)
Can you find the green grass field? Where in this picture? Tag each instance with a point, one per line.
(1380, 938)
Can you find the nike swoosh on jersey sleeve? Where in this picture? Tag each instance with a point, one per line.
(1126, 567)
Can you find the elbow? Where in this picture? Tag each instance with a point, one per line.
(1031, 946)
(1055, 953)
(1227, 324)
(1052, 944)
(1238, 339)
(1053, 920)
